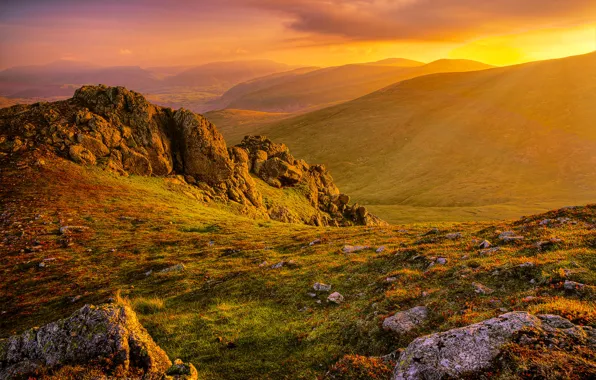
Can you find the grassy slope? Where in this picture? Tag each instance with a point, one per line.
(487, 144)
(139, 224)
(235, 124)
(332, 85)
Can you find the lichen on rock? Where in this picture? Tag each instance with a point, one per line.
(108, 335)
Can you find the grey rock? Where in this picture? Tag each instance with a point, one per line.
(484, 244)
(380, 249)
(175, 268)
(406, 321)
(509, 236)
(354, 248)
(572, 285)
(320, 287)
(481, 289)
(336, 298)
(65, 230)
(471, 351)
(92, 333)
(441, 261)
(453, 236)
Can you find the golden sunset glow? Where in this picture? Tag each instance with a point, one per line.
(296, 32)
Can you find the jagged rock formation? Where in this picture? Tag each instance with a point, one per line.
(471, 351)
(274, 164)
(119, 130)
(107, 336)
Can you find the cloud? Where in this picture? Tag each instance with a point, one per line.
(436, 20)
(125, 52)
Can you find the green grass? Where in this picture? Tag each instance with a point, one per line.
(236, 318)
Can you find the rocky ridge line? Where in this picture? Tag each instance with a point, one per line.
(118, 129)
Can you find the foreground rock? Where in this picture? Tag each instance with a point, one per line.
(121, 131)
(472, 351)
(108, 336)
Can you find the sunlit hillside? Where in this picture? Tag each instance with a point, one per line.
(332, 85)
(478, 145)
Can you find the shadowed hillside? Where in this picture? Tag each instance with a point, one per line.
(483, 144)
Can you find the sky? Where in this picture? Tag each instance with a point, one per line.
(297, 32)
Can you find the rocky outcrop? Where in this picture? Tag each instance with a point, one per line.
(108, 336)
(274, 164)
(119, 130)
(471, 351)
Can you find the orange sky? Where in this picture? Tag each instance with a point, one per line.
(300, 32)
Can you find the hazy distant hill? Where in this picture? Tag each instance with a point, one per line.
(517, 137)
(225, 74)
(332, 85)
(175, 86)
(242, 89)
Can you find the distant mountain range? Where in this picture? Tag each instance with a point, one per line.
(60, 78)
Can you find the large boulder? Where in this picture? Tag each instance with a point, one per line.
(109, 336)
(471, 351)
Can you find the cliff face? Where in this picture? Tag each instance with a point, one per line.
(119, 130)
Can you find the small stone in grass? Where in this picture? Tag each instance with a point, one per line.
(335, 298)
(481, 289)
(320, 287)
(484, 244)
(380, 249)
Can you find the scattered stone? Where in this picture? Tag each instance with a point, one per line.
(406, 321)
(312, 295)
(92, 333)
(182, 371)
(484, 244)
(41, 265)
(547, 244)
(391, 279)
(489, 251)
(509, 236)
(149, 272)
(380, 249)
(526, 265)
(432, 231)
(441, 261)
(471, 351)
(572, 285)
(319, 287)
(282, 264)
(545, 222)
(175, 268)
(529, 299)
(481, 289)
(314, 242)
(354, 248)
(454, 236)
(75, 298)
(263, 264)
(335, 298)
(64, 230)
